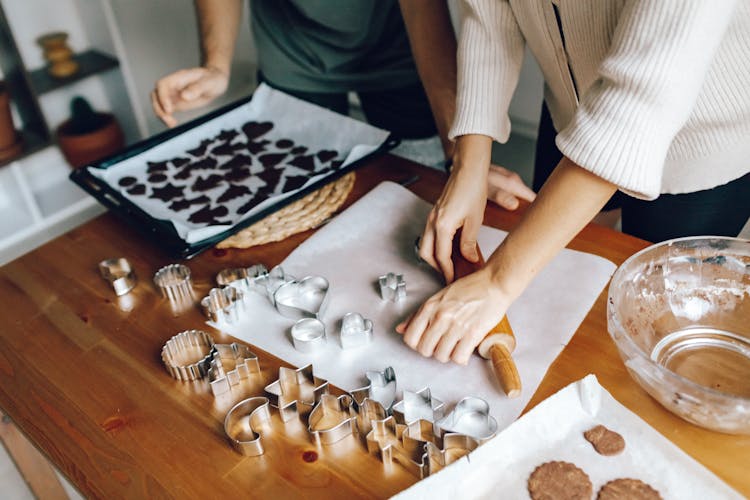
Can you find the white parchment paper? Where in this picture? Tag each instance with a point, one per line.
(376, 236)
(553, 430)
(306, 124)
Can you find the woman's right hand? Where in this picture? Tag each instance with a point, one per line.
(187, 89)
(460, 206)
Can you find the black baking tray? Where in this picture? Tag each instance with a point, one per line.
(163, 232)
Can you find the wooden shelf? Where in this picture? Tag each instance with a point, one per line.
(33, 141)
(91, 62)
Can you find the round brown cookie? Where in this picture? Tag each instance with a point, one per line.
(559, 481)
(627, 489)
(605, 442)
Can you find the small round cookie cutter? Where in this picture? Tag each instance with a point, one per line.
(308, 335)
(187, 355)
(175, 282)
(119, 273)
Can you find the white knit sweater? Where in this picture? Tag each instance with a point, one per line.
(652, 95)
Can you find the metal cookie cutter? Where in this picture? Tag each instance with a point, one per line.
(386, 440)
(119, 273)
(356, 331)
(392, 287)
(454, 446)
(187, 354)
(266, 283)
(302, 299)
(223, 304)
(175, 283)
(332, 419)
(414, 438)
(471, 417)
(381, 388)
(368, 412)
(418, 405)
(308, 335)
(296, 391)
(241, 275)
(230, 364)
(242, 422)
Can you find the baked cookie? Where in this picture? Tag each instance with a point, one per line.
(559, 481)
(627, 489)
(605, 442)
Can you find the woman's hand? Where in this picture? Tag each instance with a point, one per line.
(452, 323)
(506, 187)
(187, 89)
(461, 205)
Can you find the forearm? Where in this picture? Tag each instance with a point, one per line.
(433, 45)
(219, 22)
(568, 201)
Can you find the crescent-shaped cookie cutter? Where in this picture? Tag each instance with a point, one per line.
(230, 364)
(187, 355)
(119, 273)
(242, 423)
(332, 419)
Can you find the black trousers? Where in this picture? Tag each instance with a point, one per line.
(720, 211)
(405, 111)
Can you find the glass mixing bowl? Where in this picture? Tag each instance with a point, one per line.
(679, 313)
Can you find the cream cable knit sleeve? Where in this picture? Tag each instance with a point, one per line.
(648, 83)
(490, 53)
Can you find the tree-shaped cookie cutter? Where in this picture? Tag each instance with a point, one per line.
(332, 419)
(296, 391)
(231, 364)
(242, 423)
(187, 354)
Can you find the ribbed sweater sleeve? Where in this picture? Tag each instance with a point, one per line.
(647, 86)
(490, 53)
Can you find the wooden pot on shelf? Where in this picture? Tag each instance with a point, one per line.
(88, 135)
(10, 141)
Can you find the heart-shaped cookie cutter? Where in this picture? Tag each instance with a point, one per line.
(230, 364)
(308, 335)
(332, 419)
(223, 305)
(356, 331)
(119, 273)
(187, 354)
(418, 405)
(470, 417)
(296, 391)
(242, 423)
(392, 287)
(305, 298)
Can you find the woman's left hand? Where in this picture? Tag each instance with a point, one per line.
(452, 323)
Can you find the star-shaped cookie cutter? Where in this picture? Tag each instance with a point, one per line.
(223, 305)
(332, 419)
(392, 287)
(418, 405)
(242, 423)
(470, 417)
(230, 364)
(296, 391)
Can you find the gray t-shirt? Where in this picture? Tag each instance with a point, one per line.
(332, 45)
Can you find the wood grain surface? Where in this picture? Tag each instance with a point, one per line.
(81, 375)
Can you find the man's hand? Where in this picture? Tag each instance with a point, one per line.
(505, 188)
(187, 89)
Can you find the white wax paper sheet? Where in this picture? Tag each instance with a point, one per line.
(553, 430)
(306, 124)
(376, 236)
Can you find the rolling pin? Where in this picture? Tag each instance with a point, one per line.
(500, 342)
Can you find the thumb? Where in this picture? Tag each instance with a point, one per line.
(469, 240)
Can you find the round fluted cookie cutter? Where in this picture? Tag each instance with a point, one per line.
(119, 273)
(175, 283)
(308, 335)
(187, 355)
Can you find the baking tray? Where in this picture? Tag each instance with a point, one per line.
(162, 231)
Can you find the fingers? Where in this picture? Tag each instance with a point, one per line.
(427, 242)
(170, 93)
(506, 188)
(444, 248)
(418, 324)
(168, 119)
(469, 234)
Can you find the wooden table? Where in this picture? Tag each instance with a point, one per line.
(81, 375)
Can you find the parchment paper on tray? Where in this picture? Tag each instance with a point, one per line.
(232, 167)
(553, 430)
(376, 236)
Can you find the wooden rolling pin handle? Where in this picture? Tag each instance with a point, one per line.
(505, 370)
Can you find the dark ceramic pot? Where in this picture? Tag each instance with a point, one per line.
(83, 149)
